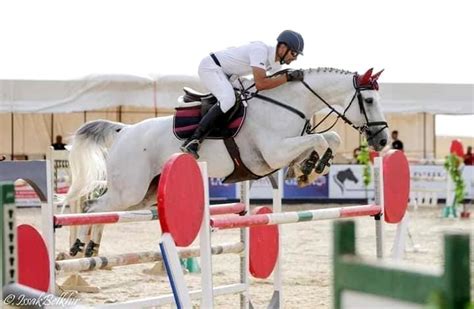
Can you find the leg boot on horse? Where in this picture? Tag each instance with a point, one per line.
(191, 145)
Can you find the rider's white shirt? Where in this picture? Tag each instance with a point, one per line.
(240, 60)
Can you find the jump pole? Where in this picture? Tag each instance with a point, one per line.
(276, 218)
(132, 216)
(295, 216)
(101, 262)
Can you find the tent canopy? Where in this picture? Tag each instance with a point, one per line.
(104, 91)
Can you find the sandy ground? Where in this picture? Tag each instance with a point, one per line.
(306, 258)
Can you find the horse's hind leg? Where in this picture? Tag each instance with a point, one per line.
(79, 243)
(93, 245)
(86, 233)
(92, 248)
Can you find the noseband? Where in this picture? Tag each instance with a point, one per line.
(361, 129)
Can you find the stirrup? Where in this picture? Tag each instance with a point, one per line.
(192, 147)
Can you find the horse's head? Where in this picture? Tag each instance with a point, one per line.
(364, 110)
(357, 94)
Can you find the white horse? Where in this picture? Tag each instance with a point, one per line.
(129, 158)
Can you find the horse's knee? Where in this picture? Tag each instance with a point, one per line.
(333, 139)
(320, 144)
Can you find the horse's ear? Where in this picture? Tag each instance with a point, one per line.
(365, 79)
(377, 75)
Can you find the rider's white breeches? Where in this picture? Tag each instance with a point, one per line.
(215, 80)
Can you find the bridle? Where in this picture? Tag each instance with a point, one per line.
(311, 130)
(361, 129)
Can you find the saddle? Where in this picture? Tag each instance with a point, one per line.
(194, 105)
(191, 95)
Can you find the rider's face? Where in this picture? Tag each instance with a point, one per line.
(290, 56)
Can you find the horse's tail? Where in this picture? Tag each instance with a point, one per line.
(87, 158)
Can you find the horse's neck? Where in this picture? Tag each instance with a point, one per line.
(334, 87)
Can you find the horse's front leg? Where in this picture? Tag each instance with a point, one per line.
(334, 141)
(279, 153)
(309, 165)
(308, 175)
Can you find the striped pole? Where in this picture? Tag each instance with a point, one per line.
(229, 222)
(100, 262)
(133, 216)
(229, 208)
(105, 217)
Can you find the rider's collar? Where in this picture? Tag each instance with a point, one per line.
(274, 66)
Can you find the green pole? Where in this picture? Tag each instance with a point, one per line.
(448, 289)
(8, 233)
(457, 270)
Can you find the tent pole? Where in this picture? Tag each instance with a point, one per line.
(13, 137)
(52, 129)
(434, 136)
(424, 135)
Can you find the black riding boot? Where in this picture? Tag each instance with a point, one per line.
(191, 145)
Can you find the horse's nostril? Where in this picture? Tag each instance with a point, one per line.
(383, 142)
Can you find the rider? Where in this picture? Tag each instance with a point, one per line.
(256, 58)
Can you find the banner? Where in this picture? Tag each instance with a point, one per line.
(222, 191)
(346, 182)
(319, 189)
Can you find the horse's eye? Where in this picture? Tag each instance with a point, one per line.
(369, 100)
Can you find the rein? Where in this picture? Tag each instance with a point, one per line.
(311, 130)
(360, 129)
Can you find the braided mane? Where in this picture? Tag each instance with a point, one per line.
(330, 70)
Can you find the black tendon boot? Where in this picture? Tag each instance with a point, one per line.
(191, 145)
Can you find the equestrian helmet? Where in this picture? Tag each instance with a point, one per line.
(293, 40)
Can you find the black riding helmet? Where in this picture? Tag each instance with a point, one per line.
(293, 40)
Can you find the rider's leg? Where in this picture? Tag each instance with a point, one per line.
(191, 145)
(216, 81)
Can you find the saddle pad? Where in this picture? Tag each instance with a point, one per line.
(186, 120)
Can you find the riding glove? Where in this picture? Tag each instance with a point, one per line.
(295, 75)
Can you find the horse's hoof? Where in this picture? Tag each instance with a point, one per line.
(309, 164)
(302, 181)
(290, 173)
(92, 249)
(77, 247)
(62, 256)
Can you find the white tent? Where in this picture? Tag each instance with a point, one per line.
(104, 91)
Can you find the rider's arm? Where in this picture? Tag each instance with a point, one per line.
(263, 82)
